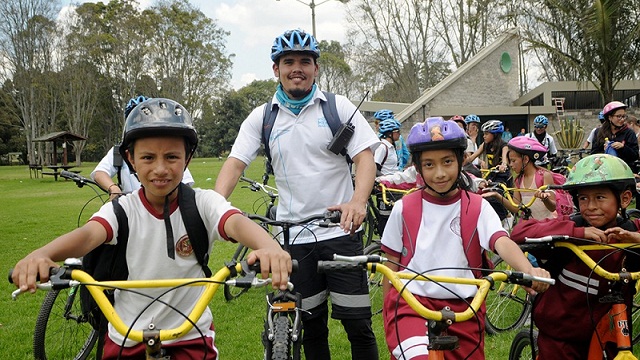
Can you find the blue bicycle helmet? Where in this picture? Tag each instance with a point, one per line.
(383, 114)
(540, 120)
(472, 118)
(493, 127)
(387, 126)
(294, 40)
(601, 116)
(133, 102)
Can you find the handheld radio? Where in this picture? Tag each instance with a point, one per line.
(344, 133)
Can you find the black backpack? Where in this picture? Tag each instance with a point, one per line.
(108, 262)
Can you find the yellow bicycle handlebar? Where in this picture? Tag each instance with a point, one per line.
(507, 194)
(385, 189)
(561, 241)
(374, 264)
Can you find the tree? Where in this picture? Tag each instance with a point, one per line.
(188, 54)
(221, 121)
(26, 34)
(114, 39)
(335, 74)
(585, 40)
(398, 42)
(80, 98)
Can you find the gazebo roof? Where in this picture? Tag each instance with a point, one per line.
(62, 135)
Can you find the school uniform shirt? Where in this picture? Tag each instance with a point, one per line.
(147, 259)
(130, 182)
(309, 177)
(547, 142)
(439, 243)
(386, 156)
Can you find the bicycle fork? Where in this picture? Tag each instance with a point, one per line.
(613, 327)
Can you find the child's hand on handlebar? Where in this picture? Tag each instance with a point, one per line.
(621, 235)
(542, 194)
(274, 261)
(537, 286)
(30, 270)
(595, 234)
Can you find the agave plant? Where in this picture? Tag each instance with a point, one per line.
(570, 134)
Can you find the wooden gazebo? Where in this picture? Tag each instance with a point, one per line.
(61, 137)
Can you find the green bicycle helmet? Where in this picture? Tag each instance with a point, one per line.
(600, 169)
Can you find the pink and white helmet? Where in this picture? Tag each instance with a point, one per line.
(528, 146)
(611, 107)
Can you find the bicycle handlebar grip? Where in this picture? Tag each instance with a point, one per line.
(68, 175)
(256, 266)
(333, 216)
(327, 266)
(52, 271)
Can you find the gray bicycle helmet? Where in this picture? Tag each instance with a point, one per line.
(158, 117)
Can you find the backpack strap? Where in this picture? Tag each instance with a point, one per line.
(471, 205)
(270, 112)
(195, 226)
(119, 269)
(117, 162)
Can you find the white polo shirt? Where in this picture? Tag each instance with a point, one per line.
(309, 177)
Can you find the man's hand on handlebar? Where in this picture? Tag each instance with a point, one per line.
(353, 214)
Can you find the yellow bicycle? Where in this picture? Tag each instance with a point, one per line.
(438, 320)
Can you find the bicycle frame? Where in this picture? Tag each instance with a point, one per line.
(613, 327)
(442, 318)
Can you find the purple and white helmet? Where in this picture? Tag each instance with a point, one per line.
(435, 134)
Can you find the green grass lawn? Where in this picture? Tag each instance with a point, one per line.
(34, 211)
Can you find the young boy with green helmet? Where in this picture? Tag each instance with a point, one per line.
(602, 187)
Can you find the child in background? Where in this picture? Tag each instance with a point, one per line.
(523, 154)
(158, 143)
(437, 148)
(385, 156)
(602, 187)
(496, 152)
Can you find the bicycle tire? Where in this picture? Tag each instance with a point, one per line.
(62, 331)
(369, 226)
(281, 344)
(635, 311)
(508, 307)
(233, 292)
(374, 281)
(521, 345)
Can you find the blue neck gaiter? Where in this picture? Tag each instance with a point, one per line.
(294, 105)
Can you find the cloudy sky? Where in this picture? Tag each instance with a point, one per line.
(253, 24)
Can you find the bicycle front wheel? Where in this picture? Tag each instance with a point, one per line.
(62, 330)
(232, 292)
(508, 306)
(281, 344)
(369, 226)
(374, 281)
(521, 345)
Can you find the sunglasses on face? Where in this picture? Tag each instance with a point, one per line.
(540, 126)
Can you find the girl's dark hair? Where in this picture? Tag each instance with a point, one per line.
(604, 132)
(495, 148)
